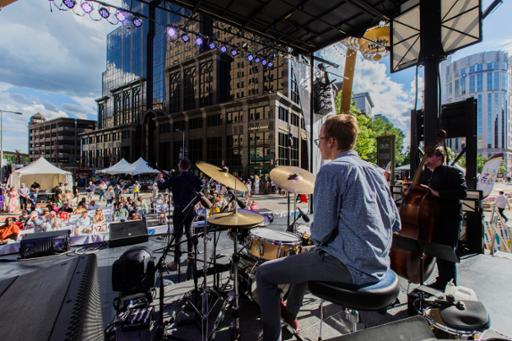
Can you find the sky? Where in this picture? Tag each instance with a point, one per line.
(51, 62)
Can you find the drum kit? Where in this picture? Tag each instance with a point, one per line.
(258, 245)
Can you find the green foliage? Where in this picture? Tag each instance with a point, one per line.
(480, 162)
(369, 130)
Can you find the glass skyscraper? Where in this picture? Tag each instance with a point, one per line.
(485, 76)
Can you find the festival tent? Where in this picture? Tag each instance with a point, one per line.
(140, 167)
(42, 172)
(118, 168)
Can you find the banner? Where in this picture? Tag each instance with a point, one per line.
(488, 175)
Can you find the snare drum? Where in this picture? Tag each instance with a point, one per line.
(266, 244)
(304, 233)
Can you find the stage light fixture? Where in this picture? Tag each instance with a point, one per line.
(137, 22)
(69, 3)
(234, 52)
(257, 59)
(185, 38)
(86, 7)
(199, 41)
(263, 62)
(223, 49)
(212, 45)
(121, 16)
(172, 32)
(250, 57)
(104, 12)
(270, 64)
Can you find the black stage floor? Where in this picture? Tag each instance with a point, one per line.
(489, 276)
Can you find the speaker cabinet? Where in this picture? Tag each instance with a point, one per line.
(44, 244)
(127, 233)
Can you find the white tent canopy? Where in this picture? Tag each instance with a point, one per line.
(140, 167)
(118, 168)
(42, 172)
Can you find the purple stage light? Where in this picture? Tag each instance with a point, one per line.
(121, 16)
(234, 52)
(104, 13)
(263, 62)
(223, 49)
(199, 41)
(137, 22)
(171, 32)
(270, 64)
(185, 38)
(250, 57)
(257, 59)
(86, 7)
(212, 45)
(69, 3)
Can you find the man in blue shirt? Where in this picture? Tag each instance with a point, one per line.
(355, 217)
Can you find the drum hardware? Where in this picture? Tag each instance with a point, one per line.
(294, 180)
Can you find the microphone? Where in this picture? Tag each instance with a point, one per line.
(198, 198)
(303, 215)
(240, 203)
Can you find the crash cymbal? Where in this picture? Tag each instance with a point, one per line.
(222, 176)
(293, 179)
(236, 219)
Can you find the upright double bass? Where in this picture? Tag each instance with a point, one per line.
(420, 215)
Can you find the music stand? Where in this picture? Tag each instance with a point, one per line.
(440, 251)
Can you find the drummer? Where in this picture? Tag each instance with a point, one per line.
(355, 217)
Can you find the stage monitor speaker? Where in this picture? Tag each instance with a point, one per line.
(60, 302)
(127, 233)
(44, 244)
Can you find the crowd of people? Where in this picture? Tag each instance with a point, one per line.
(104, 200)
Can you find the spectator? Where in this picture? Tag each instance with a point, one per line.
(109, 195)
(92, 205)
(9, 230)
(502, 204)
(24, 193)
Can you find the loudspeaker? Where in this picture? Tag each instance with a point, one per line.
(44, 243)
(61, 302)
(127, 233)
(134, 271)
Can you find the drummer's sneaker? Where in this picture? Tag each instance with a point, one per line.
(287, 317)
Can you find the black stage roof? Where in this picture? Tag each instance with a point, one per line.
(304, 25)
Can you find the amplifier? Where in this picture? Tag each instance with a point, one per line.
(127, 233)
(44, 243)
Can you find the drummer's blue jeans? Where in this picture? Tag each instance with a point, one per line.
(315, 265)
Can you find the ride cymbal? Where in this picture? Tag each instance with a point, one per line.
(293, 179)
(236, 219)
(222, 176)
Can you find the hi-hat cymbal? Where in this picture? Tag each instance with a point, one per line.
(236, 219)
(222, 176)
(293, 179)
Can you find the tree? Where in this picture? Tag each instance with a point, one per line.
(369, 130)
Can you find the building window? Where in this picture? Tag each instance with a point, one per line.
(174, 91)
(205, 83)
(164, 128)
(283, 114)
(214, 150)
(294, 88)
(195, 123)
(472, 83)
(189, 81)
(136, 103)
(179, 125)
(463, 81)
(213, 120)
(295, 120)
(195, 152)
(117, 109)
(126, 107)
(490, 135)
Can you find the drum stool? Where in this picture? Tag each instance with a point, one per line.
(373, 297)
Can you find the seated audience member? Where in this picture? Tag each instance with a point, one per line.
(253, 206)
(80, 208)
(66, 207)
(134, 215)
(99, 221)
(120, 213)
(68, 196)
(54, 220)
(35, 222)
(143, 206)
(24, 217)
(92, 205)
(9, 230)
(83, 223)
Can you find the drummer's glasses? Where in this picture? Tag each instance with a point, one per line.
(317, 141)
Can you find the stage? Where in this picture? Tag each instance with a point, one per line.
(488, 276)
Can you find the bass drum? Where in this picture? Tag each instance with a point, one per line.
(247, 266)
